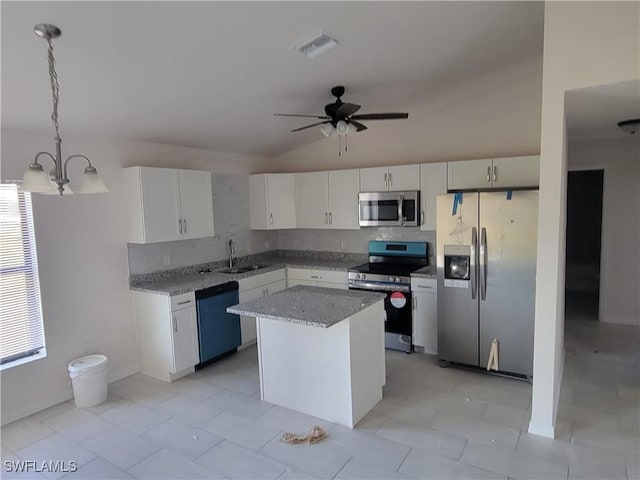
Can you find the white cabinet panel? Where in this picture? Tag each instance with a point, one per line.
(184, 338)
(196, 202)
(255, 287)
(404, 177)
(470, 174)
(433, 181)
(374, 179)
(160, 204)
(272, 201)
(395, 178)
(516, 172)
(317, 278)
(344, 186)
(312, 199)
(425, 314)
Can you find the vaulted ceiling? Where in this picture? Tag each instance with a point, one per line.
(211, 74)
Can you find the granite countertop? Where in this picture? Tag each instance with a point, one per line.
(425, 272)
(312, 306)
(189, 279)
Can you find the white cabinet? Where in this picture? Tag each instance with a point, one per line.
(317, 278)
(516, 172)
(433, 182)
(167, 204)
(397, 178)
(425, 314)
(254, 287)
(167, 331)
(327, 199)
(511, 172)
(272, 201)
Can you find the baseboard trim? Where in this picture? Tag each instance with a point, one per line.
(55, 398)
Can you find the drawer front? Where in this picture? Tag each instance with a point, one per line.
(424, 284)
(261, 279)
(330, 276)
(184, 300)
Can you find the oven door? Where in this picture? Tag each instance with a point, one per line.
(388, 209)
(397, 317)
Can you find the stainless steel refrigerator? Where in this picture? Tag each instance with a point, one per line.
(486, 267)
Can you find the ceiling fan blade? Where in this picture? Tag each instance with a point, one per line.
(301, 116)
(347, 109)
(359, 126)
(380, 116)
(309, 126)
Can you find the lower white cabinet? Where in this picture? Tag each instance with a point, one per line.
(317, 278)
(167, 330)
(255, 287)
(425, 314)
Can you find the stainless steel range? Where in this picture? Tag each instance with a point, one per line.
(389, 271)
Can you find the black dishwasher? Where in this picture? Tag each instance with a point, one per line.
(218, 331)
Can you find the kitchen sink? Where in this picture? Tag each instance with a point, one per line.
(245, 269)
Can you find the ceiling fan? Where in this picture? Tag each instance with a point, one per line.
(340, 116)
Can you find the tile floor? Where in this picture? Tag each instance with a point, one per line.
(431, 423)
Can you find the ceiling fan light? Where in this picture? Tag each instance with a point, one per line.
(328, 130)
(342, 128)
(351, 130)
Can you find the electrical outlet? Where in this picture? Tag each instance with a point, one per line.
(343, 244)
(167, 260)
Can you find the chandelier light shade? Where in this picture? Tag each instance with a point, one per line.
(36, 180)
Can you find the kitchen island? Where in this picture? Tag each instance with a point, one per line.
(320, 350)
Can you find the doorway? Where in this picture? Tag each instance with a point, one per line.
(584, 232)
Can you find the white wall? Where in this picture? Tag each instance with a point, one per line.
(497, 115)
(620, 276)
(82, 260)
(585, 44)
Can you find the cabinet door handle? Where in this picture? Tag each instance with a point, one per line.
(271, 218)
(488, 174)
(385, 180)
(175, 325)
(184, 225)
(184, 303)
(424, 286)
(390, 180)
(180, 225)
(415, 302)
(315, 276)
(330, 218)
(495, 173)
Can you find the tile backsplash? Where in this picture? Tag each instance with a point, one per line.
(231, 221)
(353, 241)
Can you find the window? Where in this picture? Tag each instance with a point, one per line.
(21, 330)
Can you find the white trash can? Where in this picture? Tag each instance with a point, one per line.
(89, 378)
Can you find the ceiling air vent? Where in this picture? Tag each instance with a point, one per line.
(315, 46)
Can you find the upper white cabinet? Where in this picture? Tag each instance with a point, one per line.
(433, 181)
(516, 172)
(396, 178)
(272, 201)
(327, 199)
(168, 204)
(511, 172)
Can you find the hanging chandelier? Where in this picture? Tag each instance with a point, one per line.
(35, 179)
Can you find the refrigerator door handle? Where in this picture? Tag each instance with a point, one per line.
(474, 263)
(483, 264)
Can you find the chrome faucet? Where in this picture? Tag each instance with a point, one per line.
(232, 254)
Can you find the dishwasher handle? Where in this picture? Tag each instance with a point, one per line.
(216, 290)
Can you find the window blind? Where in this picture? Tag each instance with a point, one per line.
(21, 329)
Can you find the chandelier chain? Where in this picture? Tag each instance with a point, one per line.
(55, 88)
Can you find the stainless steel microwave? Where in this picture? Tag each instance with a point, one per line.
(389, 209)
